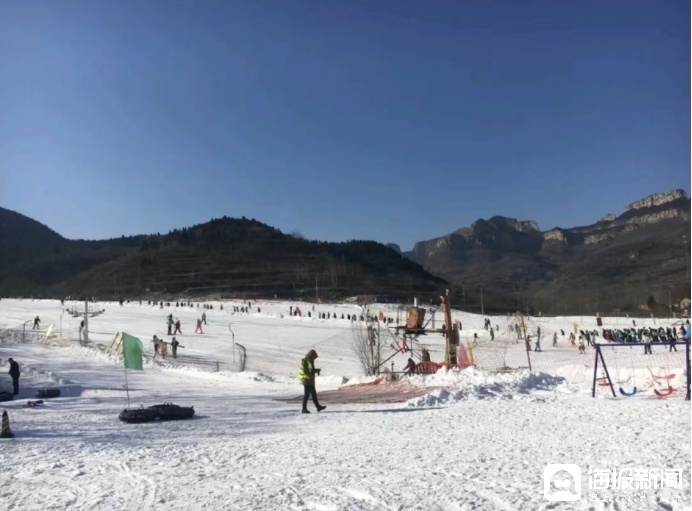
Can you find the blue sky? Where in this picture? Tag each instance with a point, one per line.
(389, 120)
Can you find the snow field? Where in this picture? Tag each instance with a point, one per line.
(481, 443)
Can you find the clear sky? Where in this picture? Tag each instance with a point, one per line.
(391, 120)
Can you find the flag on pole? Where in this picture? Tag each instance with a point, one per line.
(132, 352)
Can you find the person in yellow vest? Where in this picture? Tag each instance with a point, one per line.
(306, 375)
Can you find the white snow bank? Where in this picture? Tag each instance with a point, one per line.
(471, 383)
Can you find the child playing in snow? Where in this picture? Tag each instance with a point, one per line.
(198, 330)
(582, 346)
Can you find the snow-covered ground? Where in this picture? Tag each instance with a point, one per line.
(479, 442)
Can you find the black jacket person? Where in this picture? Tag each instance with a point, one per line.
(14, 373)
(174, 345)
(306, 375)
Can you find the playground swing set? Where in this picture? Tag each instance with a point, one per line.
(627, 387)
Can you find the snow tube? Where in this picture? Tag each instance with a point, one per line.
(6, 396)
(137, 416)
(628, 394)
(666, 377)
(171, 412)
(47, 393)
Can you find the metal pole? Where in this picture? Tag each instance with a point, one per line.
(127, 387)
(86, 321)
(595, 369)
(605, 368)
(482, 308)
(687, 259)
(233, 339)
(24, 330)
(689, 376)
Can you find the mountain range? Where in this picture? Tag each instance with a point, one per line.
(224, 257)
(620, 262)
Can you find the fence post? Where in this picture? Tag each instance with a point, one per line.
(24, 331)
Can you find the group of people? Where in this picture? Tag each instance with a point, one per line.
(173, 328)
(651, 334)
(161, 347)
(411, 366)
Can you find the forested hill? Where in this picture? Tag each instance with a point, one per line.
(225, 256)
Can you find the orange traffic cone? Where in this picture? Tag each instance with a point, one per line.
(6, 431)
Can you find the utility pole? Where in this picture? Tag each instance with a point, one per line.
(317, 299)
(463, 293)
(86, 321)
(687, 261)
(482, 308)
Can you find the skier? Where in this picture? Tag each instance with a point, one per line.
(169, 324)
(198, 330)
(177, 328)
(672, 344)
(204, 318)
(582, 347)
(306, 375)
(425, 355)
(555, 339)
(14, 373)
(156, 342)
(174, 347)
(492, 334)
(410, 367)
(537, 347)
(37, 323)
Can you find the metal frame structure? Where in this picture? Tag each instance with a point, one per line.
(599, 356)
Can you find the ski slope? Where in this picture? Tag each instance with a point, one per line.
(481, 442)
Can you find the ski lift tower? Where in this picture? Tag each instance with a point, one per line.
(416, 326)
(84, 336)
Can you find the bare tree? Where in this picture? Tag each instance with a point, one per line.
(366, 345)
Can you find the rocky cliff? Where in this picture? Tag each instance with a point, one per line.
(523, 263)
(657, 199)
